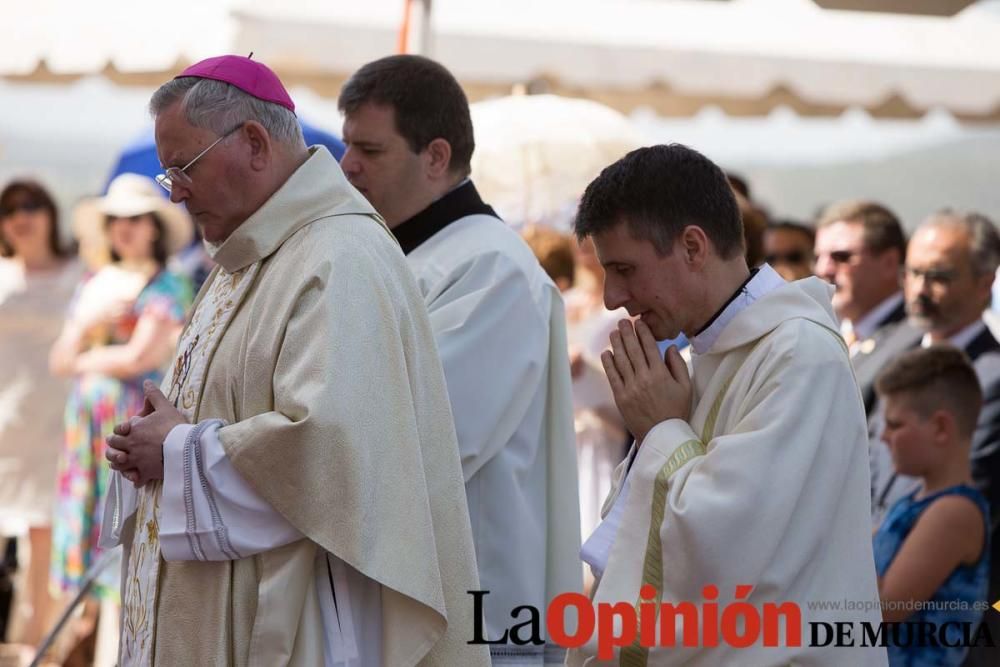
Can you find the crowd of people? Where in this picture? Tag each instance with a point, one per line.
(384, 399)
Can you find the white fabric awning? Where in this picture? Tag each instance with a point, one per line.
(65, 37)
(736, 49)
(747, 56)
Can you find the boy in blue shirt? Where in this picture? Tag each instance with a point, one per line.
(931, 551)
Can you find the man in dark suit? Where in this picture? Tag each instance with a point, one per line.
(950, 265)
(860, 248)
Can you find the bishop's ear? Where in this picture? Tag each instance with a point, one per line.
(260, 145)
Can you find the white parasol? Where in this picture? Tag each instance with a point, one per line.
(535, 154)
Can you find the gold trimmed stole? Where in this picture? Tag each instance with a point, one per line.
(183, 386)
(635, 655)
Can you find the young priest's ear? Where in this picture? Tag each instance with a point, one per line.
(694, 246)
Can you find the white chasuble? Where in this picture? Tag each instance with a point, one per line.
(759, 498)
(311, 379)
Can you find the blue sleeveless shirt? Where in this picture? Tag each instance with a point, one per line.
(967, 584)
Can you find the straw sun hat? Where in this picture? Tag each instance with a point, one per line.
(129, 195)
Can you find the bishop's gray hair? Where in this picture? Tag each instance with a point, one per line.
(219, 107)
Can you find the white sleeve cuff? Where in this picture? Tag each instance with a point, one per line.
(665, 437)
(186, 529)
(172, 514)
(659, 444)
(208, 511)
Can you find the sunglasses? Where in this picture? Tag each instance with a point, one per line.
(794, 257)
(842, 256)
(27, 207)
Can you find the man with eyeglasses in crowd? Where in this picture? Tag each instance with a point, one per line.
(950, 266)
(860, 248)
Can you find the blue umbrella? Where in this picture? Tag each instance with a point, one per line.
(139, 157)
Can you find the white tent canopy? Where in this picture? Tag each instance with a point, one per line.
(740, 48)
(779, 50)
(87, 37)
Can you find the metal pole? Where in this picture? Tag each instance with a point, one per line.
(403, 40)
(89, 578)
(420, 35)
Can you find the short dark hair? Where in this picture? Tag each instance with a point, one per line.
(427, 103)
(934, 378)
(160, 254)
(754, 224)
(881, 228)
(659, 190)
(793, 226)
(739, 184)
(34, 193)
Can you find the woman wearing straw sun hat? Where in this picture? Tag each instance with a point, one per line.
(121, 330)
(129, 195)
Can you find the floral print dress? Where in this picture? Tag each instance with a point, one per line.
(96, 404)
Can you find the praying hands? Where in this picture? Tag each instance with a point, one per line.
(648, 389)
(136, 448)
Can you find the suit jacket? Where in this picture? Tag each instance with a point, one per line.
(984, 351)
(893, 336)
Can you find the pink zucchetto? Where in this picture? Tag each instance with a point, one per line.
(252, 77)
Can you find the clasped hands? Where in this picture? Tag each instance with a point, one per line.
(648, 389)
(136, 448)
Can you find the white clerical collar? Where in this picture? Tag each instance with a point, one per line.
(764, 281)
(865, 327)
(960, 339)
